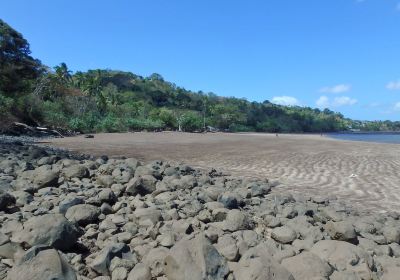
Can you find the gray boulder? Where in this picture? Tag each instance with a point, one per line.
(236, 220)
(284, 234)
(142, 185)
(195, 259)
(45, 178)
(342, 230)
(46, 264)
(343, 256)
(231, 200)
(307, 266)
(257, 263)
(83, 214)
(101, 263)
(140, 272)
(68, 203)
(76, 171)
(49, 229)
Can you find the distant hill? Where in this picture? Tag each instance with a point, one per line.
(110, 100)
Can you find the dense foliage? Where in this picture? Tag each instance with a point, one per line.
(107, 100)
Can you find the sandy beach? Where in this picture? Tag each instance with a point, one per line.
(365, 175)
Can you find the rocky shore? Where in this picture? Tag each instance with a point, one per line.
(65, 216)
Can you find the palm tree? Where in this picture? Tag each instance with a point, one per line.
(79, 80)
(63, 74)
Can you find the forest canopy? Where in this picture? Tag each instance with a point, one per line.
(115, 101)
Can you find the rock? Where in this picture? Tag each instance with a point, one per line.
(283, 234)
(226, 246)
(105, 180)
(142, 185)
(140, 272)
(107, 196)
(307, 266)
(343, 256)
(155, 261)
(83, 214)
(21, 198)
(230, 200)
(259, 190)
(236, 220)
(195, 259)
(342, 230)
(45, 178)
(6, 200)
(68, 203)
(44, 264)
(257, 263)
(392, 234)
(151, 214)
(102, 262)
(120, 273)
(49, 229)
(11, 250)
(76, 171)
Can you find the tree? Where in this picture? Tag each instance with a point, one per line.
(17, 68)
(63, 74)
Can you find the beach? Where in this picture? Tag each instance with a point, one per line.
(361, 174)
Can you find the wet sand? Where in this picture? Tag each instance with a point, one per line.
(366, 175)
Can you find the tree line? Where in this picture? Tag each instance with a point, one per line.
(115, 101)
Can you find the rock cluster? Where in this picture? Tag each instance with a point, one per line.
(65, 217)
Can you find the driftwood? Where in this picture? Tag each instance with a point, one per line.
(18, 129)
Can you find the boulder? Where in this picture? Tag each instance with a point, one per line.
(392, 234)
(68, 203)
(231, 200)
(257, 263)
(102, 261)
(45, 178)
(140, 272)
(142, 185)
(307, 266)
(236, 220)
(284, 234)
(76, 171)
(42, 264)
(83, 214)
(342, 230)
(343, 256)
(6, 200)
(195, 259)
(49, 229)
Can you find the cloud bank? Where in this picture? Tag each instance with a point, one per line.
(285, 100)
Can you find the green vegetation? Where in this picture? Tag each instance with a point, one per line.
(111, 101)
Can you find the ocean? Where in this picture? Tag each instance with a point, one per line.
(378, 137)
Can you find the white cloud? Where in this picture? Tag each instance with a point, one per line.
(323, 102)
(394, 85)
(397, 106)
(285, 100)
(344, 100)
(336, 89)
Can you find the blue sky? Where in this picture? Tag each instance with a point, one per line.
(341, 54)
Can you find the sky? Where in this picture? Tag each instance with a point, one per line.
(339, 54)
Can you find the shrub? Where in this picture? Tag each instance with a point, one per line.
(240, 128)
(140, 124)
(110, 124)
(6, 105)
(191, 121)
